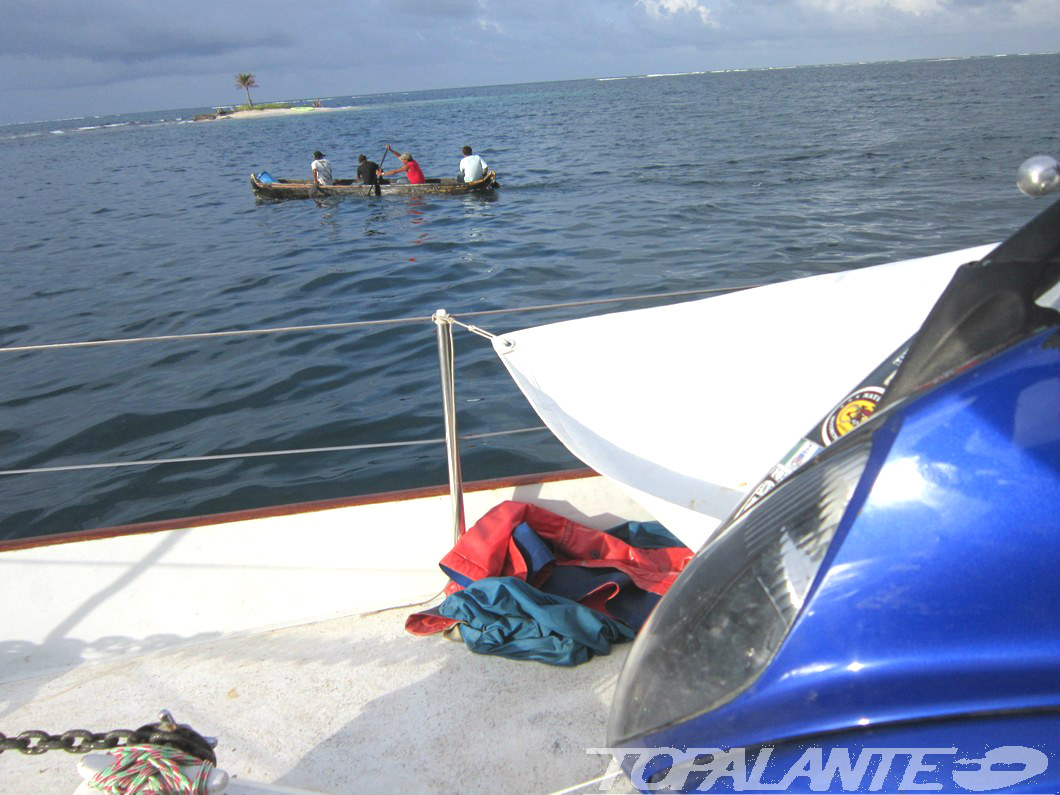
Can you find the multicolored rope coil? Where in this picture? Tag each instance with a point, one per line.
(151, 770)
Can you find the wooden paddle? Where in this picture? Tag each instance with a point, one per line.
(380, 168)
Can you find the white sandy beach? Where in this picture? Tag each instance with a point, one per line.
(261, 114)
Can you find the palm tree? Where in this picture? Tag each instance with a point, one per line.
(246, 81)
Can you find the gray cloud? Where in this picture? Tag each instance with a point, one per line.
(132, 32)
(120, 54)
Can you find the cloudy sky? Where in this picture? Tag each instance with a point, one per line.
(65, 58)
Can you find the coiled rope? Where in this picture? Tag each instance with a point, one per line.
(151, 769)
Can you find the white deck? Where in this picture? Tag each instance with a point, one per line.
(352, 705)
(232, 627)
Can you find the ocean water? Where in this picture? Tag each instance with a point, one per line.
(145, 225)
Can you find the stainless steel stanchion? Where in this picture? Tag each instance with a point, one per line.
(444, 327)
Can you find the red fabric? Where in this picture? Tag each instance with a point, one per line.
(428, 623)
(487, 550)
(414, 173)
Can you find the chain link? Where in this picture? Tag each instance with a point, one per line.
(75, 741)
(166, 732)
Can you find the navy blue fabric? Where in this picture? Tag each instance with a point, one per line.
(511, 617)
(460, 579)
(535, 551)
(645, 535)
(508, 616)
(630, 605)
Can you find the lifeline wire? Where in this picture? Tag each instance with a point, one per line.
(597, 301)
(226, 456)
(212, 334)
(362, 323)
(323, 327)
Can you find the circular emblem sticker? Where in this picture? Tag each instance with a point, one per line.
(853, 411)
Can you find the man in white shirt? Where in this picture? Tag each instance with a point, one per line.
(321, 169)
(472, 167)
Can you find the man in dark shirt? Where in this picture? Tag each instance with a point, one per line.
(367, 171)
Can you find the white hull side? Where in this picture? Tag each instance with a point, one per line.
(101, 599)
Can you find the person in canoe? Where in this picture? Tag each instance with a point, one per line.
(367, 170)
(472, 167)
(411, 168)
(321, 168)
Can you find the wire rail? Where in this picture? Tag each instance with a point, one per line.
(323, 327)
(203, 335)
(262, 454)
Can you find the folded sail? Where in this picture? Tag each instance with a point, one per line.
(687, 406)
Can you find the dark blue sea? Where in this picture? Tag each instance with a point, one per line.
(145, 225)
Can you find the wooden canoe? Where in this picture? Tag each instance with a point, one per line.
(303, 189)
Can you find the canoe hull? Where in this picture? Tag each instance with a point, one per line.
(295, 189)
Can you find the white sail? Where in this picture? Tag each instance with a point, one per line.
(687, 406)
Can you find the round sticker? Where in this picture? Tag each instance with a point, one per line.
(853, 411)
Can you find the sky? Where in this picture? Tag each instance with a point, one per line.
(71, 58)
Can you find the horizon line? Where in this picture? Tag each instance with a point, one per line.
(599, 78)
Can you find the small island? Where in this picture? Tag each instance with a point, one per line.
(246, 81)
(263, 111)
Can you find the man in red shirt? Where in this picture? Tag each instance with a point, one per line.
(411, 168)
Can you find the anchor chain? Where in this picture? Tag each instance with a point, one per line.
(81, 741)
(75, 741)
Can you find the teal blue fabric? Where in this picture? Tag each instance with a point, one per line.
(507, 616)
